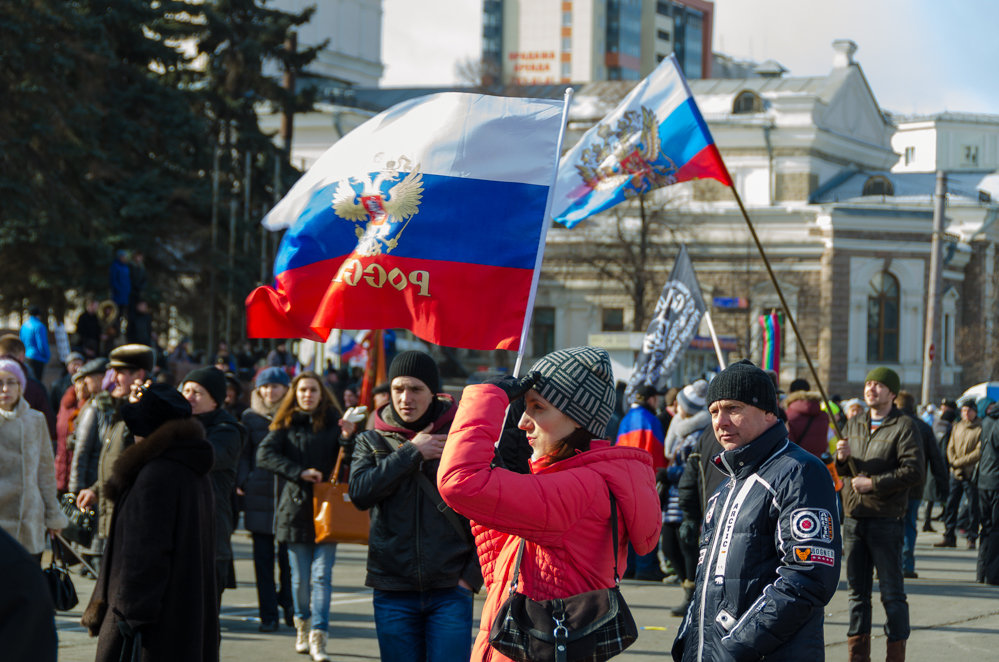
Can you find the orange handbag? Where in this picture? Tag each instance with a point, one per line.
(335, 517)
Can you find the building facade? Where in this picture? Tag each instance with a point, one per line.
(951, 142)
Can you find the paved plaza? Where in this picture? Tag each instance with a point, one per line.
(953, 618)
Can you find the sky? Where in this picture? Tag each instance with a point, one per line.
(919, 56)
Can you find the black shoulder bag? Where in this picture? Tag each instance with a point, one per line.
(586, 627)
(58, 580)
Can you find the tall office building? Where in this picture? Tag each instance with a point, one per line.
(529, 42)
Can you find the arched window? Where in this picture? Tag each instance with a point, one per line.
(882, 319)
(878, 185)
(747, 102)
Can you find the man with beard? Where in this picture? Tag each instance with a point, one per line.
(880, 460)
(132, 365)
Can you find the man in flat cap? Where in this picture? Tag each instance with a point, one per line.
(770, 544)
(132, 365)
(880, 460)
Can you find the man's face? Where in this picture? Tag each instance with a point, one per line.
(410, 398)
(736, 424)
(73, 366)
(350, 398)
(877, 395)
(93, 383)
(123, 380)
(969, 413)
(201, 402)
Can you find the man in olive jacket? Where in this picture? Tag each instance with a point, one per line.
(963, 453)
(880, 460)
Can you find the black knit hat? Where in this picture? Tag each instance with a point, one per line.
(744, 382)
(419, 365)
(213, 381)
(160, 403)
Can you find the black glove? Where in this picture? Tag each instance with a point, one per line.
(688, 533)
(514, 387)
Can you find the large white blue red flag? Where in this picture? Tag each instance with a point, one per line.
(655, 137)
(427, 217)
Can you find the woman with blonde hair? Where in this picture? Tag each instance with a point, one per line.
(29, 508)
(301, 448)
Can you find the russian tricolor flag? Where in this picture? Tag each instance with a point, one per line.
(654, 138)
(426, 217)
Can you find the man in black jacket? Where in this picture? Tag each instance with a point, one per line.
(880, 461)
(988, 492)
(770, 548)
(422, 562)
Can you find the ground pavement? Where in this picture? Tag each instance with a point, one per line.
(953, 618)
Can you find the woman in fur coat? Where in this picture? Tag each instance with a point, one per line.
(156, 588)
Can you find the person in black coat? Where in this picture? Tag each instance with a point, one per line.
(988, 490)
(156, 587)
(260, 489)
(27, 626)
(205, 389)
(302, 448)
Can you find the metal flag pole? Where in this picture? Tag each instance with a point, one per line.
(546, 223)
(714, 339)
(794, 325)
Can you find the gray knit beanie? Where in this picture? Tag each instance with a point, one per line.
(579, 382)
(744, 382)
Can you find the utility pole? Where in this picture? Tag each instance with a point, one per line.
(931, 348)
(214, 238)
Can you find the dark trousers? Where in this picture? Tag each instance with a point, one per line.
(37, 367)
(684, 561)
(269, 596)
(959, 488)
(875, 543)
(988, 550)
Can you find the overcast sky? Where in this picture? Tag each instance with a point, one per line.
(919, 56)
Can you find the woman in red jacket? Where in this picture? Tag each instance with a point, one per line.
(562, 509)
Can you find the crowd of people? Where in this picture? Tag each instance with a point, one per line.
(802, 486)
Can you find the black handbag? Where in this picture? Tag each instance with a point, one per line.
(59, 581)
(82, 523)
(586, 627)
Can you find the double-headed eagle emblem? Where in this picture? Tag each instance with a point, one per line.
(628, 154)
(380, 206)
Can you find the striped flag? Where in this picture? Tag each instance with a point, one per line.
(772, 340)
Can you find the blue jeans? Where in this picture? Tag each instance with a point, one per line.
(424, 626)
(909, 542)
(869, 543)
(310, 593)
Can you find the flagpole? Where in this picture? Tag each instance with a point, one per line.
(794, 325)
(546, 223)
(714, 339)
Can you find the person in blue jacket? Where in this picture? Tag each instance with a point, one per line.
(35, 337)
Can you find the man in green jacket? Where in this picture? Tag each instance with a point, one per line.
(880, 459)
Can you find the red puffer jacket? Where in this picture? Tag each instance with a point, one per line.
(562, 510)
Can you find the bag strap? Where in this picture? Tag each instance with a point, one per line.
(335, 477)
(613, 517)
(435, 497)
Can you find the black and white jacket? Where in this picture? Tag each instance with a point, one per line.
(769, 559)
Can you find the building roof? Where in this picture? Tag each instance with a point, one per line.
(908, 187)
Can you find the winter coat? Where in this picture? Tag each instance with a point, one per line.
(118, 439)
(890, 456)
(225, 434)
(641, 429)
(561, 510)
(807, 424)
(700, 477)
(38, 399)
(27, 628)
(288, 452)
(769, 560)
(934, 464)
(964, 448)
(158, 573)
(261, 487)
(28, 502)
(988, 463)
(69, 410)
(687, 432)
(413, 545)
(93, 426)
(121, 283)
(35, 337)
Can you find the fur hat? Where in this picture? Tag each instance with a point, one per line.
(579, 382)
(886, 376)
(744, 382)
(691, 397)
(159, 403)
(213, 381)
(419, 365)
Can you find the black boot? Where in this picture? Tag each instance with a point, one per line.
(688, 595)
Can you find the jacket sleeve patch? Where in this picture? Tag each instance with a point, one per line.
(822, 555)
(812, 524)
